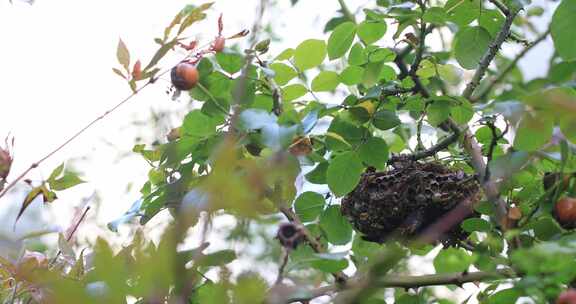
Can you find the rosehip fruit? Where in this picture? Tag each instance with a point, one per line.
(184, 76)
(218, 44)
(567, 297)
(565, 211)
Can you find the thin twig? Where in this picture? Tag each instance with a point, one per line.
(408, 281)
(276, 91)
(488, 88)
(490, 54)
(501, 6)
(285, 255)
(71, 234)
(346, 11)
(340, 277)
(421, 42)
(73, 137)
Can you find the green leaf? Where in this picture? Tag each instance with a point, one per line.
(337, 229)
(452, 260)
(385, 119)
(284, 73)
(438, 112)
(330, 262)
(250, 288)
(357, 55)
(30, 197)
(470, 44)
(199, 125)
(462, 113)
(56, 172)
(568, 127)
(435, 15)
(123, 55)
(340, 40)
(309, 54)
(229, 61)
(217, 258)
(380, 54)
(462, 12)
(69, 180)
(374, 152)
(491, 20)
(343, 173)
(562, 29)
(318, 175)
(505, 296)
(293, 91)
(545, 228)
(325, 81)
(160, 53)
(352, 75)
(211, 293)
(309, 205)
(371, 31)
(285, 55)
(476, 224)
(533, 132)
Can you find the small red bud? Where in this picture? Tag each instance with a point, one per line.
(5, 163)
(218, 44)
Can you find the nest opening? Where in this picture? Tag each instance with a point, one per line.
(403, 201)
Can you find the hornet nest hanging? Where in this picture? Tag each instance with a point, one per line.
(402, 202)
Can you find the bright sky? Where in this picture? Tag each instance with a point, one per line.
(55, 76)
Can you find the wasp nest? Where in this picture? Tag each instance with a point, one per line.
(405, 200)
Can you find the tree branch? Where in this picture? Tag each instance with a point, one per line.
(501, 6)
(488, 88)
(346, 11)
(422, 41)
(490, 54)
(340, 277)
(407, 281)
(274, 88)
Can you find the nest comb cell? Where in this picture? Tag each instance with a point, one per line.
(403, 201)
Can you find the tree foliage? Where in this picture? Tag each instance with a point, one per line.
(281, 141)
